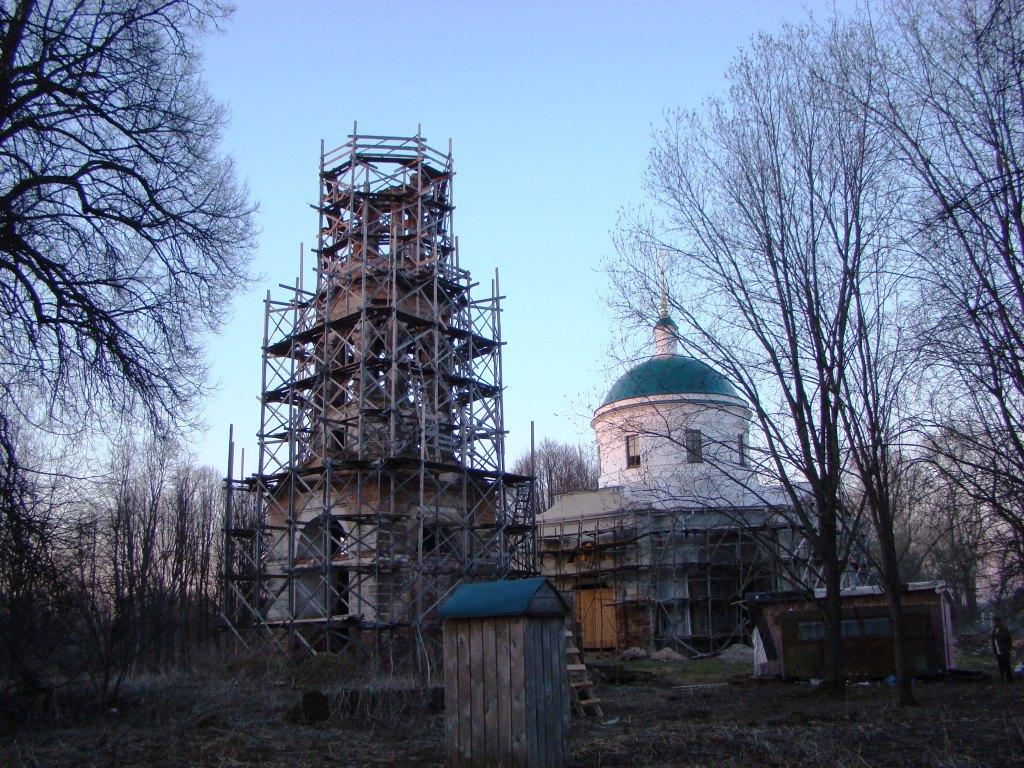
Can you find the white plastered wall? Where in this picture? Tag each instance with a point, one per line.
(664, 475)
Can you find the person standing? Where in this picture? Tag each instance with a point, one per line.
(1002, 646)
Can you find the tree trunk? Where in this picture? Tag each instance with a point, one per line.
(899, 646)
(970, 599)
(835, 674)
(893, 586)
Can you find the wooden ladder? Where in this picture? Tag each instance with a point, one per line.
(584, 702)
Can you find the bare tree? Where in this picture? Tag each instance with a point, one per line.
(144, 566)
(123, 232)
(952, 535)
(123, 237)
(879, 378)
(190, 540)
(559, 468)
(954, 100)
(977, 515)
(771, 205)
(103, 578)
(32, 589)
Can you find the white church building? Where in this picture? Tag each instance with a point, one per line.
(663, 551)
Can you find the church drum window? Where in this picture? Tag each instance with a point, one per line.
(741, 447)
(632, 451)
(692, 441)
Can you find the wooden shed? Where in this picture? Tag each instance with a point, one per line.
(506, 684)
(789, 636)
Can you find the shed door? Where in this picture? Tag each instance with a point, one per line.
(595, 612)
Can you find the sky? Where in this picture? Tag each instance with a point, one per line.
(550, 107)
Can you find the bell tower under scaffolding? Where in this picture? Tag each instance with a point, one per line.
(381, 482)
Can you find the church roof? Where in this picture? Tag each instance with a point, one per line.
(672, 375)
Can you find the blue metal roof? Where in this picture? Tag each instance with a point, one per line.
(496, 598)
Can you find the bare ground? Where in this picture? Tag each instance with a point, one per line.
(697, 714)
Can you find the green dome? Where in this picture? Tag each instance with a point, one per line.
(675, 375)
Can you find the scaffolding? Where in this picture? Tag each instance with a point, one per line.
(662, 578)
(381, 482)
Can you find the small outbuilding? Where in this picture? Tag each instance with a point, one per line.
(506, 683)
(789, 636)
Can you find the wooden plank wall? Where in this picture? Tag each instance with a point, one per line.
(506, 692)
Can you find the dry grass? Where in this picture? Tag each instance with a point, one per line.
(237, 716)
(788, 725)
